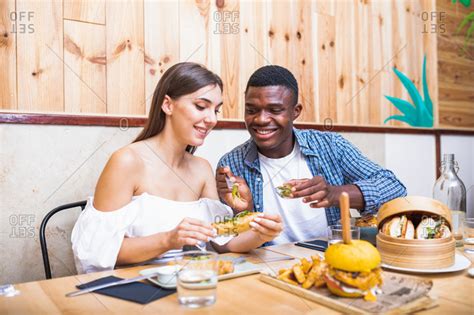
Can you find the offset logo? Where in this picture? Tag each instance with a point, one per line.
(433, 22)
(22, 22)
(226, 22)
(22, 225)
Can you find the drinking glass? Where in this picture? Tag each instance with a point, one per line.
(197, 278)
(468, 235)
(335, 233)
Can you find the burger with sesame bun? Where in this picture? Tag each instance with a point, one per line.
(354, 270)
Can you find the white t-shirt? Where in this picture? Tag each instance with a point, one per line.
(301, 222)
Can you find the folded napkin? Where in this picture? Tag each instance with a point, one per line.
(137, 292)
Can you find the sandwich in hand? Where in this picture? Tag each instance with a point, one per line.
(354, 270)
(236, 225)
(399, 227)
(430, 227)
(284, 191)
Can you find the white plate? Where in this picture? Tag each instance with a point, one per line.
(460, 263)
(240, 270)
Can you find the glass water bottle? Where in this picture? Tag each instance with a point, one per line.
(450, 190)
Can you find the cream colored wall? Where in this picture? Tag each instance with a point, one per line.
(43, 167)
(46, 166)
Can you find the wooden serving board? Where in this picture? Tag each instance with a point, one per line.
(411, 296)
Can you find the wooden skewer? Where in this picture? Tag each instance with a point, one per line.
(345, 220)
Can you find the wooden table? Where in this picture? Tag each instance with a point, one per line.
(245, 295)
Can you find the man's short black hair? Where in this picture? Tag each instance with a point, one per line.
(273, 75)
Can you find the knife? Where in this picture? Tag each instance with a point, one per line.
(111, 284)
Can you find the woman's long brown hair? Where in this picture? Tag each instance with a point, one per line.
(181, 79)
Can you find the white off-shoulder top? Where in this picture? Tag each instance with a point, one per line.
(97, 235)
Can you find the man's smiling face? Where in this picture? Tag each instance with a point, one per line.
(269, 115)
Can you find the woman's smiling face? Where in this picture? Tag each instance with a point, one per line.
(192, 116)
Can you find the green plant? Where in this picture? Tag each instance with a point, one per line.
(468, 18)
(418, 114)
(465, 3)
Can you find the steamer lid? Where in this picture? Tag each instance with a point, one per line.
(411, 204)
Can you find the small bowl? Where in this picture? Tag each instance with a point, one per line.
(167, 275)
(369, 233)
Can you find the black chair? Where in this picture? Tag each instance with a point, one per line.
(44, 248)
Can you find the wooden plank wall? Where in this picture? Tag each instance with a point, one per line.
(106, 57)
(7, 56)
(455, 67)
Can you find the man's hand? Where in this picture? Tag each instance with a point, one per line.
(242, 198)
(314, 191)
(319, 194)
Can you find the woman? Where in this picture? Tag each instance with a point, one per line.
(153, 196)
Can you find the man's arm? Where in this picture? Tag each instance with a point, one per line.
(378, 185)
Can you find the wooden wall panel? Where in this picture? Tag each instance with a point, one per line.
(376, 70)
(363, 108)
(301, 39)
(225, 19)
(345, 62)
(254, 36)
(254, 46)
(7, 56)
(194, 30)
(398, 54)
(456, 69)
(325, 69)
(381, 73)
(92, 11)
(341, 52)
(161, 42)
(40, 57)
(125, 57)
(430, 44)
(287, 49)
(84, 68)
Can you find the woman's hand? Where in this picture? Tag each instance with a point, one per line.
(189, 232)
(267, 226)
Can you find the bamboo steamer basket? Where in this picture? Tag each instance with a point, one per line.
(416, 254)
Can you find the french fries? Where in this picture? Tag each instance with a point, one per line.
(299, 274)
(225, 267)
(286, 276)
(305, 273)
(305, 265)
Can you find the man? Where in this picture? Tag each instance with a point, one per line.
(318, 166)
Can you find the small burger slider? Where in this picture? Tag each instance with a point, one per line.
(399, 227)
(354, 265)
(430, 228)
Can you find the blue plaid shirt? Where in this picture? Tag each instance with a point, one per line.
(328, 155)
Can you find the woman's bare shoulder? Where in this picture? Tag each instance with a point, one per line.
(126, 158)
(119, 179)
(199, 163)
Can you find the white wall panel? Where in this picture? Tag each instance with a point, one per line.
(412, 159)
